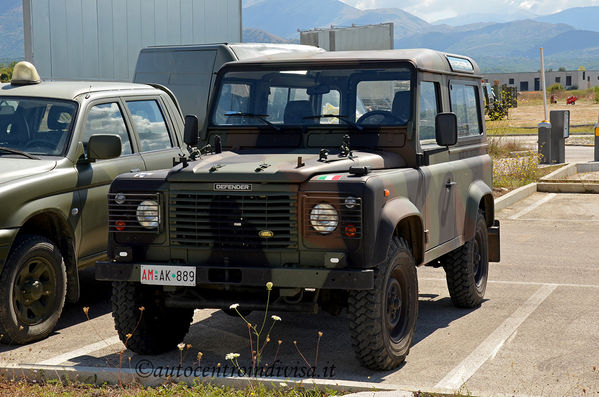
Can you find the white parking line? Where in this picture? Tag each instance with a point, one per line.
(490, 346)
(507, 282)
(533, 206)
(81, 351)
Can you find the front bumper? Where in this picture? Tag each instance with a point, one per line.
(320, 278)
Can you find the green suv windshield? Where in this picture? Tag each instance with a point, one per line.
(345, 97)
(35, 125)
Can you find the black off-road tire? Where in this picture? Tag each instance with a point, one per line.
(154, 330)
(382, 320)
(467, 268)
(33, 286)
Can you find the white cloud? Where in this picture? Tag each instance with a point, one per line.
(431, 10)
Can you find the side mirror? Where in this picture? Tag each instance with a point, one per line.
(190, 135)
(446, 129)
(101, 147)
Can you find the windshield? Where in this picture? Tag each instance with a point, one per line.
(358, 97)
(35, 125)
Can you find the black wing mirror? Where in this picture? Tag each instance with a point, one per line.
(190, 134)
(446, 129)
(101, 147)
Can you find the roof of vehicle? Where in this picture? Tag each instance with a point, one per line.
(421, 58)
(241, 50)
(69, 89)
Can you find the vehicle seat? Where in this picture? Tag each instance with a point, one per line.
(296, 111)
(401, 107)
(13, 129)
(55, 123)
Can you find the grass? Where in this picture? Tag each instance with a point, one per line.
(514, 165)
(498, 128)
(22, 388)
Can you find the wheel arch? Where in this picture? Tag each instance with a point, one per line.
(400, 218)
(53, 226)
(480, 197)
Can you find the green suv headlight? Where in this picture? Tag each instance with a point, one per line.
(148, 214)
(324, 218)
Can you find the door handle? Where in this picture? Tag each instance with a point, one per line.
(135, 170)
(450, 184)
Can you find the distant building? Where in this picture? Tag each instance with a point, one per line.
(531, 81)
(366, 37)
(100, 39)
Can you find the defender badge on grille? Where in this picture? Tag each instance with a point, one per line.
(244, 187)
(265, 233)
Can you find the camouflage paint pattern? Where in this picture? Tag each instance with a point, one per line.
(429, 197)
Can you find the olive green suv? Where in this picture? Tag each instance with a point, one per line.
(61, 145)
(333, 176)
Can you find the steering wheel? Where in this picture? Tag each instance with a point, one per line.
(376, 117)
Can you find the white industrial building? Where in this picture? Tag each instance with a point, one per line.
(365, 37)
(531, 81)
(100, 39)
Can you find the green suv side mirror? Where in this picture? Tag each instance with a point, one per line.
(101, 147)
(446, 129)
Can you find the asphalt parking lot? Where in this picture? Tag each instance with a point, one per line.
(535, 334)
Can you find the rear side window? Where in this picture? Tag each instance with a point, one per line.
(107, 119)
(428, 110)
(149, 123)
(465, 104)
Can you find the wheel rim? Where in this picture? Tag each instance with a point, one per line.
(395, 308)
(477, 259)
(34, 292)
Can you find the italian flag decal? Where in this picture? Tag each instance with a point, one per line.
(328, 177)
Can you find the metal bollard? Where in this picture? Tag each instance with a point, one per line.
(544, 142)
(560, 130)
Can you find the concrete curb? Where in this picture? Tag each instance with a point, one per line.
(128, 376)
(558, 182)
(514, 196)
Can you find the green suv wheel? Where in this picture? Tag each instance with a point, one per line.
(467, 268)
(153, 330)
(32, 290)
(382, 320)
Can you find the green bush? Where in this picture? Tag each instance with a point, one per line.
(596, 94)
(555, 88)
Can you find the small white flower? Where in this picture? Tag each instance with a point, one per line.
(181, 346)
(275, 318)
(269, 285)
(234, 306)
(283, 384)
(231, 356)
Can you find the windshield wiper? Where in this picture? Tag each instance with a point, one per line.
(15, 151)
(261, 117)
(339, 117)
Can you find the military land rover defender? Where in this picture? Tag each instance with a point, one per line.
(332, 175)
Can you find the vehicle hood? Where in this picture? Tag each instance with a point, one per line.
(276, 167)
(12, 168)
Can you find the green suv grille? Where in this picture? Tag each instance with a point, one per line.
(233, 220)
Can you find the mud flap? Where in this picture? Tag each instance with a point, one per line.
(494, 242)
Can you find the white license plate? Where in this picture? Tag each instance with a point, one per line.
(168, 275)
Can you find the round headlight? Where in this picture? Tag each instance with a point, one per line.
(324, 218)
(148, 214)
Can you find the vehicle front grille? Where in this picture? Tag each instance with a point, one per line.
(247, 220)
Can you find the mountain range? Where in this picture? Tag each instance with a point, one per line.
(499, 43)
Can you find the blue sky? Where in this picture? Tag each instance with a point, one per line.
(432, 10)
